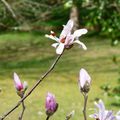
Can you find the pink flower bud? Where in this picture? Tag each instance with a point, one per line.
(20, 87)
(18, 83)
(51, 105)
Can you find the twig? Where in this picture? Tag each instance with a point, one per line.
(48, 117)
(85, 105)
(70, 115)
(32, 89)
(23, 109)
(9, 8)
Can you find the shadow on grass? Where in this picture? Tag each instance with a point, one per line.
(116, 104)
(27, 64)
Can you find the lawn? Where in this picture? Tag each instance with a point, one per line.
(30, 55)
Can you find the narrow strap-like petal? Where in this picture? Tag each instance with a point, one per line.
(69, 40)
(109, 115)
(67, 29)
(52, 37)
(55, 45)
(95, 116)
(102, 111)
(60, 48)
(81, 43)
(80, 32)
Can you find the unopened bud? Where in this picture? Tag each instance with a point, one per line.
(20, 87)
(51, 105)
(84, 81)
(86, 87)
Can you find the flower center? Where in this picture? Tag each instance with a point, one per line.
(97, 119)
(63, 40)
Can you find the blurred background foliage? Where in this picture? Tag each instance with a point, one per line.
(100, 16)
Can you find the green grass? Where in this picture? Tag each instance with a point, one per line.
(31, 54)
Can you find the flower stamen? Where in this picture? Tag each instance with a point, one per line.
(63, 40)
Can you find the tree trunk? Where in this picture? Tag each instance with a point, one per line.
(75, 17)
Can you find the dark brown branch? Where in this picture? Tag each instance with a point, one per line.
(23, 110)
(47, 117)
(38, 82)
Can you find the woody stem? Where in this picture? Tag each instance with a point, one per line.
(85, 106)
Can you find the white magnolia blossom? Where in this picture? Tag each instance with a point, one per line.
(102, 113)
(67, 39)
(84, 78)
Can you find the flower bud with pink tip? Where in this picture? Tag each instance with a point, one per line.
(51, 105)
(84, 81)
(20, 87)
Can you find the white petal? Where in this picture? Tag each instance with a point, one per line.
(83, 77)
(102, 111)
(52, 32)
(60, 48)
(81, 43)
(69, 40)
(25, 85)
(118, 115)
(67, 29)
(80, 32)
(52, 37)
(114, 118)
(94, 116)
(101, 105)
(108, 115)
(70, 24)
(55, 45)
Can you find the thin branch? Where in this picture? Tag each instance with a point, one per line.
(70, 115)
(47, 117)
(85, 105)
(32, 89)
(9, 8)
(23, 110)
(6, 4)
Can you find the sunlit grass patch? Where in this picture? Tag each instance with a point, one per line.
(30, 57)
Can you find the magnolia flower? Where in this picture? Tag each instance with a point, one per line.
(20, 87)
(51, 105)
(102, 113)
(84, 80)
(67, 39)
